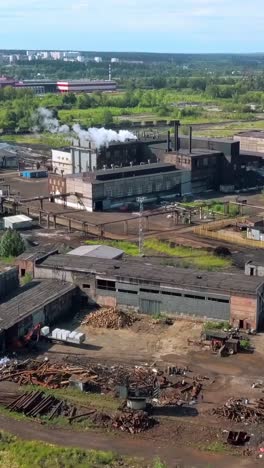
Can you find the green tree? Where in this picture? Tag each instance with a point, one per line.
(107, 117)
(11, 244)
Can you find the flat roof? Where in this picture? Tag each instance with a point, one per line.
(138, 269)
(127, 171)
(85, 82)
(195, 153)
(253, 154)
(18, 218)
(98, 251)
(36, 253)
(29, 299)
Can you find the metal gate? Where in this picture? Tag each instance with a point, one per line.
(149, 307)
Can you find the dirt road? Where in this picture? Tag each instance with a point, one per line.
(123, 444)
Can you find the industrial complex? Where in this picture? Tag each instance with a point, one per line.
(140, 265)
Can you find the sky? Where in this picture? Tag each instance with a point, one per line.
(175, 26)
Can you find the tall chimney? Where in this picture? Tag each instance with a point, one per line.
(176, 135)
(190, 140)
(168, 142)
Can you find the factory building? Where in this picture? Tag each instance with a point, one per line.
(88, 86)
(151, 288)
(84, 156)
(107, 189)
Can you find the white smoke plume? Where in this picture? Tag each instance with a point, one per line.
(102, 136)
(45, 121)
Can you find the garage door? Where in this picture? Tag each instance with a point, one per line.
(147, 306)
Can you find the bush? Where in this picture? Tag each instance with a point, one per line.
(11, 244)
(26, 279)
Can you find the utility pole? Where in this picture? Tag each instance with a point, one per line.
(141, 200)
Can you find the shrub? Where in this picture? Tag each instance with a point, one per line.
(11, 244)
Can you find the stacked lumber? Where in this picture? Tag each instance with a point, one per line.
(37, 403)
(242, 410)
(133, 421)
(109, 317)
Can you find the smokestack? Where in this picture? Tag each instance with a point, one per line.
(176, 135)
(190, 139)
(110, 72)
(168, 142)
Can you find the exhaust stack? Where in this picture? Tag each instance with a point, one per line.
(176, 135)
(190, 139)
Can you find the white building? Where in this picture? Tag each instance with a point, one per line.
(98, 59)
(73, 160)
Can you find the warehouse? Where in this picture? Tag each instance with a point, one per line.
(39, 302)
(150, 288)
(110, 188)
(87, 86)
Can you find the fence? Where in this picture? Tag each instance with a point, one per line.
(210, 230)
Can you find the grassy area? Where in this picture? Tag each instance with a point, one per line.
(216, 447)
(213, 206)
(8, 260)
(128, 247)
(229, 129)
(198, 258)
(216, 325)
(101, 402)
(47, 139)
(190, 257)
(21, 454)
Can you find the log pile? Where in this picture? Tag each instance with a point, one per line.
(37, 403)
(109, 317)
(242, 410)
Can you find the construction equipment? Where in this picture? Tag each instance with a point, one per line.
(30, 339)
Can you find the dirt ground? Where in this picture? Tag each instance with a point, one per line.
(182, 435)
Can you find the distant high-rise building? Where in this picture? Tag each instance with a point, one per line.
(98, 59)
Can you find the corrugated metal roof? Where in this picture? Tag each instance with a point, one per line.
(98, 251)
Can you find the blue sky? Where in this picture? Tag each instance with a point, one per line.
(133, 25)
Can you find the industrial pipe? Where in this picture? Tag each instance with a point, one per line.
(190, 140)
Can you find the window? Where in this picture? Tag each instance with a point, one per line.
(215, 299)
(192, 296)
(86, 286)
(153, 291)
(127, 291)
(106, 285)
(170, 293)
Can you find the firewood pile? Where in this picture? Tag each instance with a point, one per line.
(242, 410)
(109, 317)
(133, 421)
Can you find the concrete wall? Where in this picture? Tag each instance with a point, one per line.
(247, 143)
(8, 281)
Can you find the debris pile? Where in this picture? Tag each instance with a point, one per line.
(133, 421)
(242, 410)
(109, 317)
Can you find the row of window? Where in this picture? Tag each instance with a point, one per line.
(111, 286)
